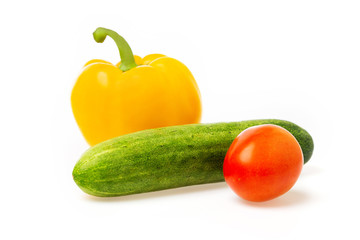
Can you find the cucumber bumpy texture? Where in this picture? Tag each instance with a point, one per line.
(163, 158)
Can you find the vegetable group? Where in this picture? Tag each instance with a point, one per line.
(142, 113)
(263, 163)
(139, 93)
(166, 158)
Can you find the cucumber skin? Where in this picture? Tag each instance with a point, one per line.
(163, 158)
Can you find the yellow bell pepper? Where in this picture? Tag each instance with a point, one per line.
(136, 94)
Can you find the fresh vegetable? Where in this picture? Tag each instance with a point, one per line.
(263, 163)
(136, 94)
(167, 157)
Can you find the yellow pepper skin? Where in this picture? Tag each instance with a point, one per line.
(155, 91)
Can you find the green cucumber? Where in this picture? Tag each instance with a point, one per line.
(164, 158)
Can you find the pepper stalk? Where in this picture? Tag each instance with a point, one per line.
(126, 54)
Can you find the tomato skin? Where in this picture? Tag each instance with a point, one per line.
(263, 162)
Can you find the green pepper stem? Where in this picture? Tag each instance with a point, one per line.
(126, 55)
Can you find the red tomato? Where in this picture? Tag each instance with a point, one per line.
(263, 163)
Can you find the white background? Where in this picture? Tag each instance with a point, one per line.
(292, 60)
